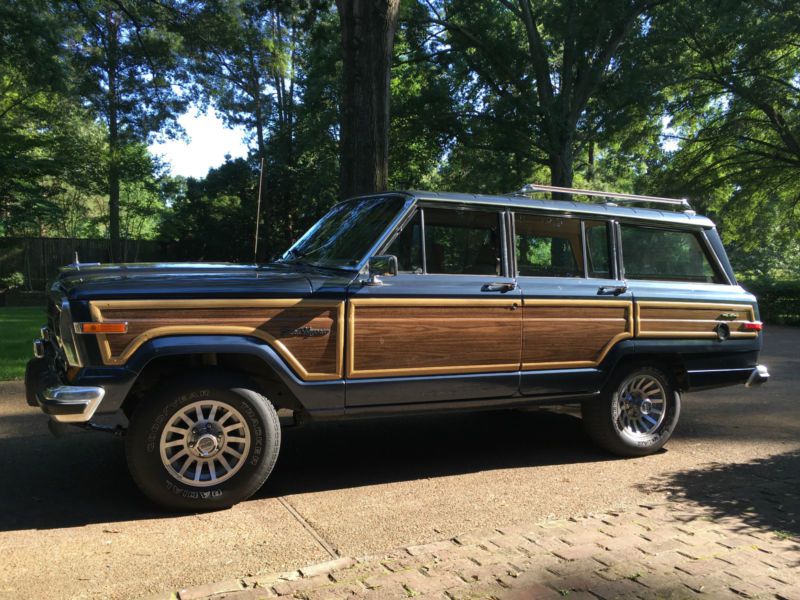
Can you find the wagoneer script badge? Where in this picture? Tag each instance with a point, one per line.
(305, 332)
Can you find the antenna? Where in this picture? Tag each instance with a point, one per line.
(258, 209)
(529, 188)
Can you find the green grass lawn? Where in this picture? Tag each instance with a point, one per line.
(19, 325)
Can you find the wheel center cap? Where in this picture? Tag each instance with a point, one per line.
(207, 445)
(645, 407)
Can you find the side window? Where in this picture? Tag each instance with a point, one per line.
(462, 242)
(548, 246)
(651, 253)
(597, 251)
(407, 247)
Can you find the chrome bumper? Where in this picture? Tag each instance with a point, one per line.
(72, 404)
(759, 376)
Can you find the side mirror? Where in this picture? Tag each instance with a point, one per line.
(378, 267)
(382, 265)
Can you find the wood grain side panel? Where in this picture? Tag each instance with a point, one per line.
(436, 338)
(691, 320)
(315, 357)
(573, 335)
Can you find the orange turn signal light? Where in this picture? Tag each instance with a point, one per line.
(752, 326)
(107, 327)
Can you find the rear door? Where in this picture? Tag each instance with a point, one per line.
(449, 325)
(576, 307)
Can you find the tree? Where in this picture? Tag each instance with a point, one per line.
(735, 116)
(423, 119)
(32, 74)
(368, 31)
(239, 54)
(250, 61)
(555, 76)
(224, 200)
(126, 65)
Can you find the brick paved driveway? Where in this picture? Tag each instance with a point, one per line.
(722, 540)
(73, 525)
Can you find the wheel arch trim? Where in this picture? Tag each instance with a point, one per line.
(315, 396)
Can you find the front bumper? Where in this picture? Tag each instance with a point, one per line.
(64, 403)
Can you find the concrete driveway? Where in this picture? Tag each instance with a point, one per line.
(72, 524)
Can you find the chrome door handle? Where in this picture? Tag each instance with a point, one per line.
(611, 290)
(499, 287)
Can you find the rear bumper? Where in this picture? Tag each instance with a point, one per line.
(759, 376)
(711, 378)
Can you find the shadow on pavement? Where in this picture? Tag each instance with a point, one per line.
(51, 483)
(367, 452)
(765, 493)
(83, 478)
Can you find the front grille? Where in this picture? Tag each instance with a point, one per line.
(60, 322)
(53, 315)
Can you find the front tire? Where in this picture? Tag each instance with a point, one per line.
(205, 442)
(637, 413)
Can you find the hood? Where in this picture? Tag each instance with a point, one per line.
(185, 280)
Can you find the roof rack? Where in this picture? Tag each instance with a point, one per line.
(683, 203)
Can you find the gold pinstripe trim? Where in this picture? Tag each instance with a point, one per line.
(691, 334)
(96, 308)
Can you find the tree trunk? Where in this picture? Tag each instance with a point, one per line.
(561, 164)
(260, 127)
(113, 140)
(368, 29)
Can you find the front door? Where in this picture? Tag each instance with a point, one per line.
(449, 326)
(575, 308)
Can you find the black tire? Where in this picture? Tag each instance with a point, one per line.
(250, 417)
(605, 423)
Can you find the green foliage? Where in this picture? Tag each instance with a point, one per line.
(216, 214)
(485, 96)
(237, 48)
(537, 85)
(778, 300)
(12, 281)
(81, 87)
(125, 66)
(422, 119)
(19, 326)
(736, 117)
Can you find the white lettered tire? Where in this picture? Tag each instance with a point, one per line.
(637, 412)
(203, 441)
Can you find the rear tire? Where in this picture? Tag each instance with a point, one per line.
(204, 442)
(636, 414)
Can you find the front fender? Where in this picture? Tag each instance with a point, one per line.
(320, 398)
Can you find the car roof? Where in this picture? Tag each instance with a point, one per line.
(563, 206)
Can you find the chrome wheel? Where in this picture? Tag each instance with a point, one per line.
(640, 406)
(205, 443)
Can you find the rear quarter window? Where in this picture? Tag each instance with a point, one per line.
(665, 254)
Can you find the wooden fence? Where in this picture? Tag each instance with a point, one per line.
(39, 259)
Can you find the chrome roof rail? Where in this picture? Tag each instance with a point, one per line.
(618, 197)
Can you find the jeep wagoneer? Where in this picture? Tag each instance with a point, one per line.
(397, 303)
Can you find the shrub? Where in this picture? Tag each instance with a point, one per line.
(778, 301)
(12, 281)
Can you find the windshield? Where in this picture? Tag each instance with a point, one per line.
(342, 238)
